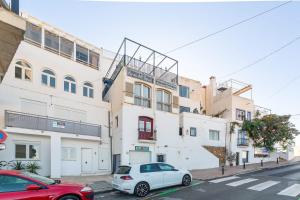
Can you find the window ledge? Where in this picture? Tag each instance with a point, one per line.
(147, 141)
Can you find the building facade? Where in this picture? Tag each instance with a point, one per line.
(76, 109)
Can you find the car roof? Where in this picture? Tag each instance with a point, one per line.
(10, 172)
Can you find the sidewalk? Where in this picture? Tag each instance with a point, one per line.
(206, 174)
(100, 183)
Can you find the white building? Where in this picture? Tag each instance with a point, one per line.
(147, 124)
(51, 105)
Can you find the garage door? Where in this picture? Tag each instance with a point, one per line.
(139, 157)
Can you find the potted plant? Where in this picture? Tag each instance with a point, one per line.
(32, 167)
(18, 165)
(230, 158)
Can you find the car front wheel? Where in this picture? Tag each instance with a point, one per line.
(69, 197)
(186, 180)
(142, 189)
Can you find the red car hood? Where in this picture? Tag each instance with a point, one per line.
(67, 185)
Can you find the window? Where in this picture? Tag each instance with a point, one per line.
(249, 116)
(48, 78)
(214, 135)
(184, 91)
(33, 33)
(184, 109)
(165, 167)
(68, 153)
(66, 47)
(240, 114)
(242, 139)
(161, 158)
(93, 59)
(193, 131)
(51, 41)
(23, 71)
(27, 151)
(13, 184)
(88, 90)
(70, 85)
(163, 99)
(149, 168)
(142, 95)
(145, 128)
(81, 54)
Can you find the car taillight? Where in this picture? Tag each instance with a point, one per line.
(126, 178)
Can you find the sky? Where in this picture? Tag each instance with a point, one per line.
(165, 26)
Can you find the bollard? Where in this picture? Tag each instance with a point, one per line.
(223, 170)
(261, 163)
(277, 160)
(244, 166)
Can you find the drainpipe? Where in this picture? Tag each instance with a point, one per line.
(110, 139)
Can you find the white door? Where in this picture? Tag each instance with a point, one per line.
(139, 157)
(86, 160)
(104, 158)
(171, 175)
(152, 174)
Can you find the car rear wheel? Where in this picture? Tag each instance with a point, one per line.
(69, 197)
(142, 189)
(186, 180)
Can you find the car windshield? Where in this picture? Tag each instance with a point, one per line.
(42, 179)
(123, 170)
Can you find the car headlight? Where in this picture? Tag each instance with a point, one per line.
(86, 189)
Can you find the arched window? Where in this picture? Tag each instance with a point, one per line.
(48, 78)
(23, 70)
(163, 100)
(69, 84)
(88, 90)
(142, 95)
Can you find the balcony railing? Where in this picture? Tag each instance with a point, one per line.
(242, 142)
(149, 136)
(44, 123)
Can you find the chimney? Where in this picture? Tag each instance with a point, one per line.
(213, 85)
(15, 6)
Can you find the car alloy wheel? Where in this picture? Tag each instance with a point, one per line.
(186, 180)
(142, 189)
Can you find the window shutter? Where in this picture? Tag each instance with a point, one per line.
(129, 89)
(175, 101)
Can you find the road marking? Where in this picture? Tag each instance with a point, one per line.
(291, 191)
(264, 185)
(241, 182)
(170, 198)
(224, 179)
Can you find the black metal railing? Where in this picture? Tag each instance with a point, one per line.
(44, 123)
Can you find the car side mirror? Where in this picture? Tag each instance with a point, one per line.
(33, 187)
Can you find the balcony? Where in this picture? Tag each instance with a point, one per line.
(44, 123)
(243, 142)
(146, 136)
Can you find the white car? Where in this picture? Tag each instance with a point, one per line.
(139, 179)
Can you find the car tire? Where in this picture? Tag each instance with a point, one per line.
(186, 180)
(69, 197)
(142, 189)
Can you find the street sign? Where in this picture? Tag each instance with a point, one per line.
(3, 136)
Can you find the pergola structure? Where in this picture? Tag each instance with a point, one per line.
(143, 63)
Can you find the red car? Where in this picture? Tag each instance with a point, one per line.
(17, 185)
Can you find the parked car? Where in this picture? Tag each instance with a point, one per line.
(16, 185)
(139, 179)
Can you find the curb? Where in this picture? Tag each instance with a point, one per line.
(103, 191)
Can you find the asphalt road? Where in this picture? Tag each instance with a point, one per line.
(277, 184)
